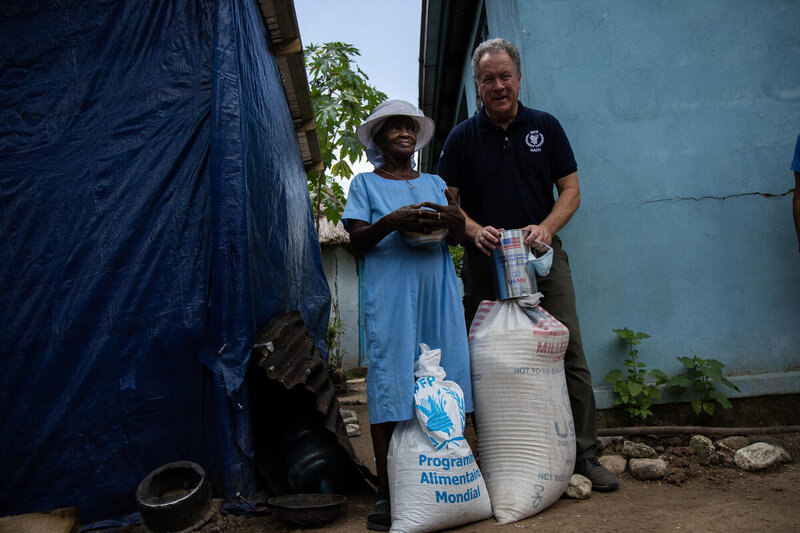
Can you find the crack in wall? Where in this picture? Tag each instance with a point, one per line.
(764, 194)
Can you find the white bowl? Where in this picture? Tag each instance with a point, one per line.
(418, 240)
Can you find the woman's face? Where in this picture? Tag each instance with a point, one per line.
(398, 137)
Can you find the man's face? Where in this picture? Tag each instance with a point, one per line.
(498, 86)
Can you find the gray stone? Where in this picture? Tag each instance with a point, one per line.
(579, 488)
(703, 448)
(609, 443)
(757, 456)
(347, 413)
(735, 442)
(647, 469)
(724, 450)
(614, 463)
(353, 430)
(637, 450)
(786, 457)
(726, 459)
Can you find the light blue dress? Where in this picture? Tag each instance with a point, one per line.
(410, 297)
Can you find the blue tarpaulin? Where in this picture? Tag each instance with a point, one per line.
(153, 216)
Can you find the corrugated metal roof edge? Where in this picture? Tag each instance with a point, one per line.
(288, 355)
(280, 20)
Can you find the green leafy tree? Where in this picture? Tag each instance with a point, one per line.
(342, 99)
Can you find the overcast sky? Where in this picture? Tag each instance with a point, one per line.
(385, 31)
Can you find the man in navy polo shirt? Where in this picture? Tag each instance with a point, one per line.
(502, 164)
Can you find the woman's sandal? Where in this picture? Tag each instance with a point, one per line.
(380, 519)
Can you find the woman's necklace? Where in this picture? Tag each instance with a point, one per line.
(401, 178)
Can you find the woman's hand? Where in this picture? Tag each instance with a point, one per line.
(446, 216)
(415, 218)
(424, 217)
(418, 218)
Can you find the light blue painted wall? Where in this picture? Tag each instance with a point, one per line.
(340, 271)
(683, 117)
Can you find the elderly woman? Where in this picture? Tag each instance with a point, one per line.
(410, 292)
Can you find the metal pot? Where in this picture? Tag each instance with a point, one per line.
(307, 510)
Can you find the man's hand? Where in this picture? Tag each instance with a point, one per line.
(487, 239)
(540, 232)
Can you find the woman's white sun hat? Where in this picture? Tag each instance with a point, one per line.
(389, 108)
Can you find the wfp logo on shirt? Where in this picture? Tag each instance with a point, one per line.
(534, 140)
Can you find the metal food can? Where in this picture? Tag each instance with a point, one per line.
(509, 261)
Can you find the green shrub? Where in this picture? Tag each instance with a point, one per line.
(635, 387)
(335, 330)
(457, 253)
(703, 375)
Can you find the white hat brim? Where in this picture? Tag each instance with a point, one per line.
(392, 108)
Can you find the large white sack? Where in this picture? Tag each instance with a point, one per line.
(434, 481)
(526, 438)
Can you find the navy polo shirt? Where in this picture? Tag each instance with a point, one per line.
(506, 177)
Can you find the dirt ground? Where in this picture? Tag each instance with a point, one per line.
(714, 498)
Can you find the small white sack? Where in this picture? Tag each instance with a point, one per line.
(438, 404)
(526, 437)
(434, 481)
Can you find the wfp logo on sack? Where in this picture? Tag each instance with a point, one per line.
(436, 410)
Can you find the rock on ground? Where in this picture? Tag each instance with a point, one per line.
(757, 456)
(614, 463)
(725, 459)
(786, 457)
(723, 450)
(735, 442)
(646, 469)
(609, 444)
(579, 488)
(350, 419)
(703, 448)
(637, 450)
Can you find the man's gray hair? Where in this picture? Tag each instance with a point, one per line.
(495, 45)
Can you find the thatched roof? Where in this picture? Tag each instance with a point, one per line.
(331, 236)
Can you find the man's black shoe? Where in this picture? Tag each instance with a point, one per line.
(602, 480)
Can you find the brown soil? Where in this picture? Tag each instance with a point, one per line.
(698, 498)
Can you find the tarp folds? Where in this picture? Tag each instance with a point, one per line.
(148, 170)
